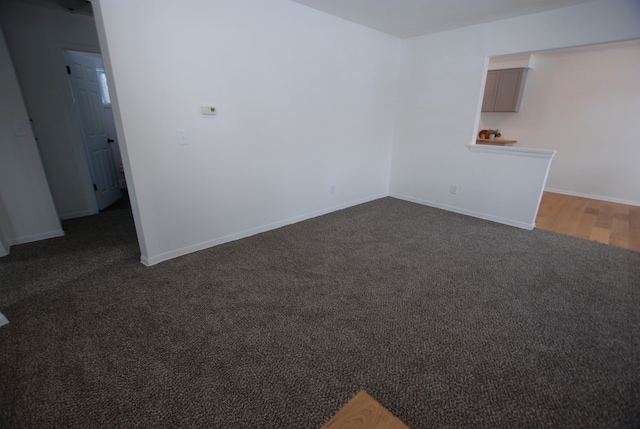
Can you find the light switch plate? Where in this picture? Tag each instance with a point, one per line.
(182, 137)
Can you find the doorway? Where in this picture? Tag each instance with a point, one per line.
(582, 102)
(38, 36)
(92, 105)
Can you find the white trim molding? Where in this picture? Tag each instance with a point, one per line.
(513, 151)
(472, 213)
(593, 197)
(36, 237)
(3, 319)
(248, 233)
(4, 251)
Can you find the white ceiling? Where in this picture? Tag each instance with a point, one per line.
(410, 18)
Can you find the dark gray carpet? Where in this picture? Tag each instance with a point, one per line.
(447, 320)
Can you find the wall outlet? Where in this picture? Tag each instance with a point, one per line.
(208, 110)
(332, 190)
(19, 128)
(454, 189)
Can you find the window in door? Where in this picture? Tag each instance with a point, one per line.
(104, 87)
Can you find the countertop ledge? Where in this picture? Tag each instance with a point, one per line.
(495, 141)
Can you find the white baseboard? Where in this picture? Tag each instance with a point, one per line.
(81, 213)
(35, 237)
(253, 231)
(3, 319)
(466, 212)
(593, 197)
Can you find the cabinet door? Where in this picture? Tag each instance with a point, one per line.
(509, 92)
(490, 89)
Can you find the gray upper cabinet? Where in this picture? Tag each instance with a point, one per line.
(503, 90)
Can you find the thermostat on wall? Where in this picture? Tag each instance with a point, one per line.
(208, 110)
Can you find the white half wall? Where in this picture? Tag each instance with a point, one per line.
(4, 248)
(306, 105)
(585, 103)
(36, 37)
(441, 84)
(27, 212)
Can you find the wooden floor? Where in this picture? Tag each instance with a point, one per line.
(609, 223)
(364, 412)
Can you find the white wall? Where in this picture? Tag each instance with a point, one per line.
(585, 103)
(27, 212)
(305, 101)
(442, 76)
(36, 37)
(4, 248)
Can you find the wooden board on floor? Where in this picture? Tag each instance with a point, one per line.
(602, 221)
(364, 412)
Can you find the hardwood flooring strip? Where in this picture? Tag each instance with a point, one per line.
(602, 221)
(364, 412)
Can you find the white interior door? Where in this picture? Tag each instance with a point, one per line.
(90, 111)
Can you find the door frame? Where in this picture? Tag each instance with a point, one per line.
(94, 175)
(78, 157)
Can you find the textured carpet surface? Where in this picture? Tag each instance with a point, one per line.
(447, 320)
